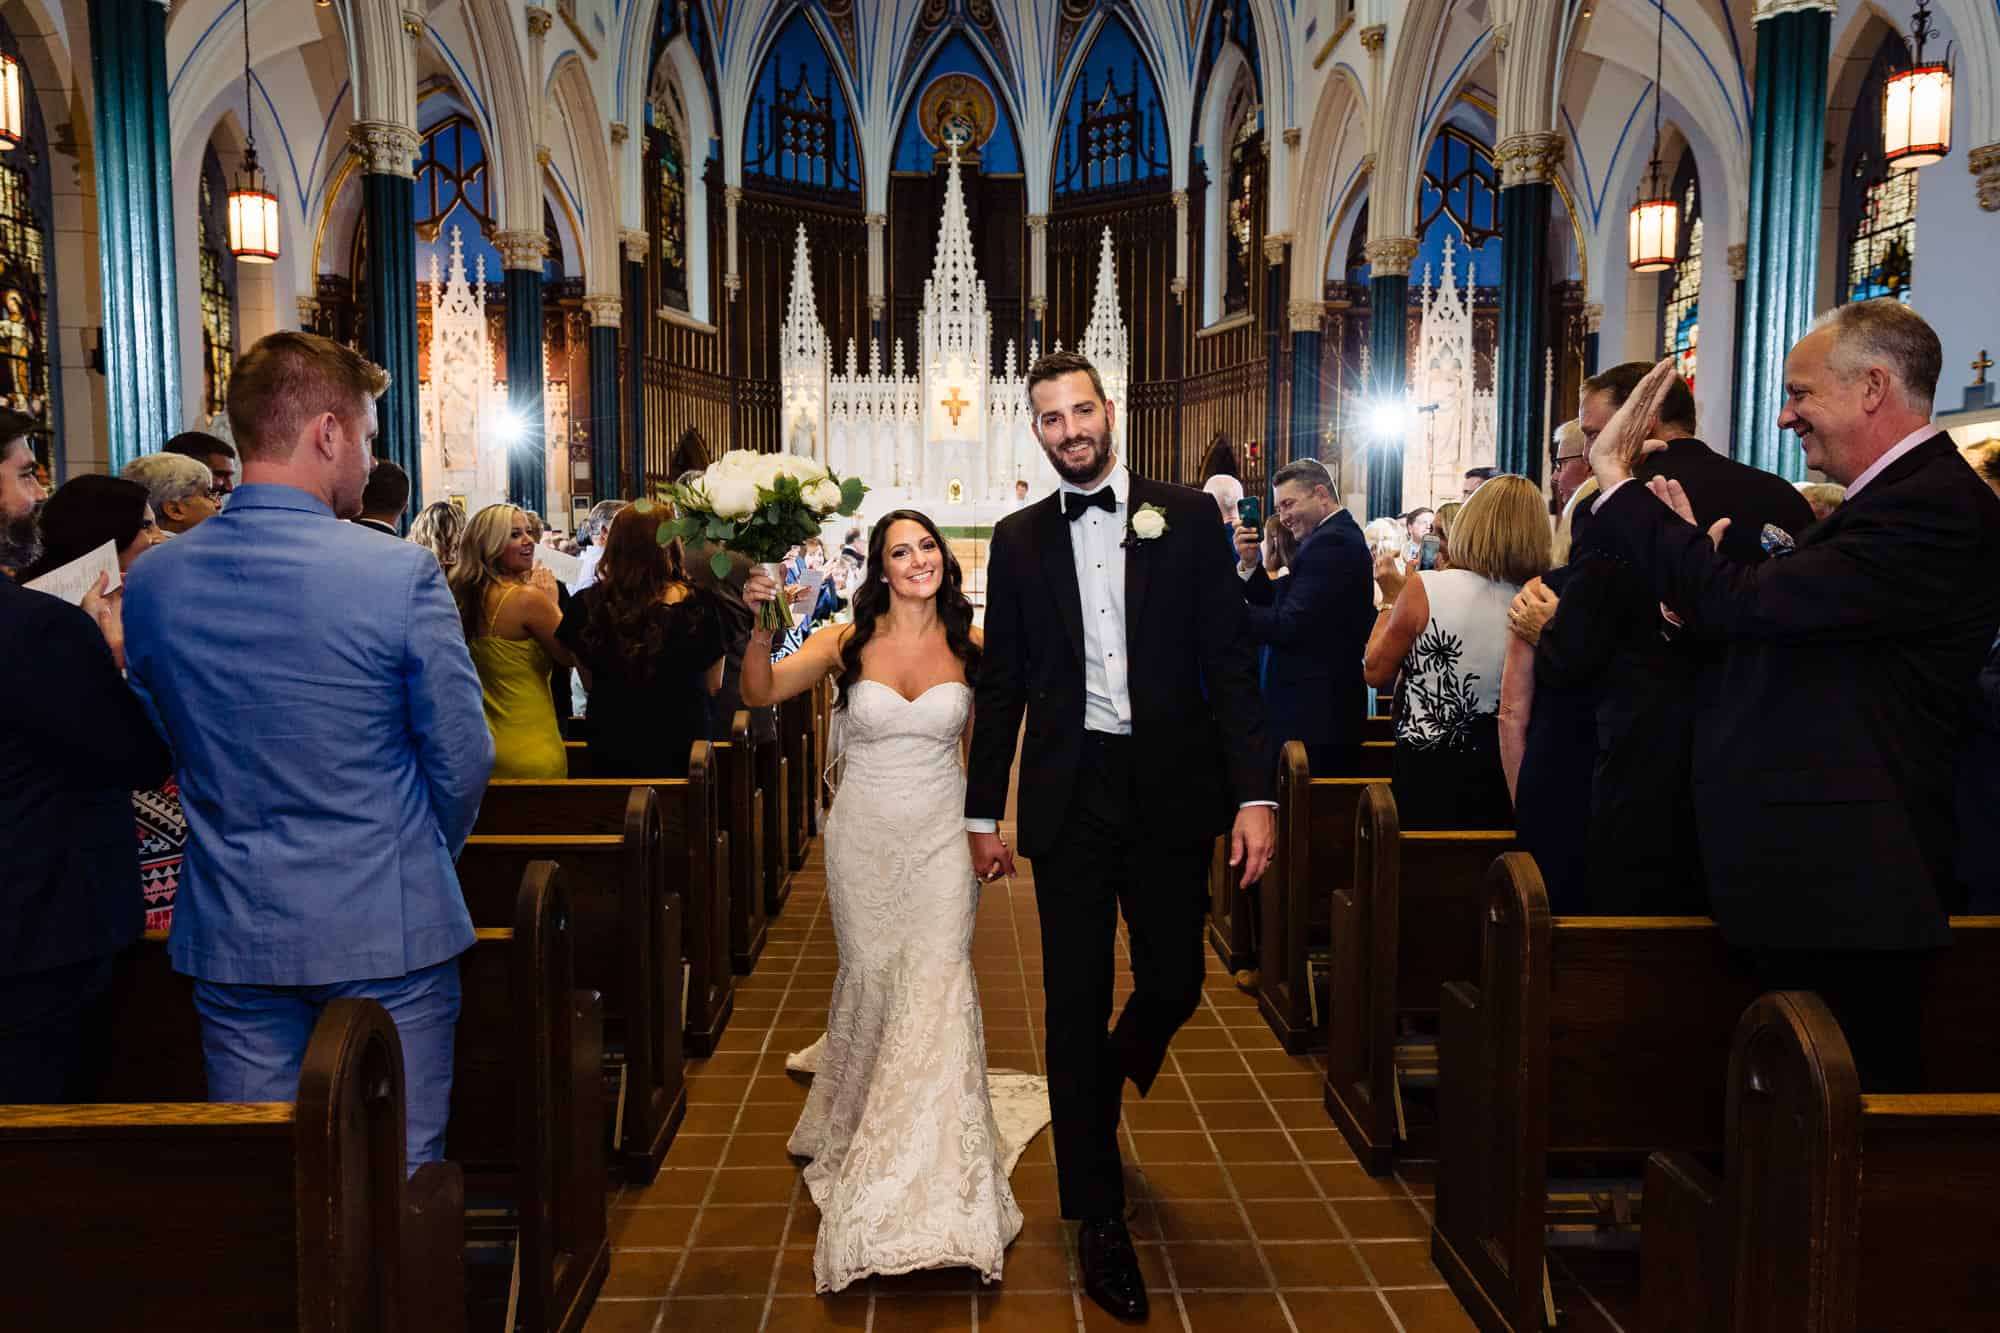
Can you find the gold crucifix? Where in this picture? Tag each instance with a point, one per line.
(1980, 366)
(954, 405)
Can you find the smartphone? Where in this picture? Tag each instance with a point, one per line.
(1428, 553)
(1249, 512)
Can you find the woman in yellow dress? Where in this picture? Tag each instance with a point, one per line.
(507, 605)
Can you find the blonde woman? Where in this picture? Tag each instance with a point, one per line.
(439, 529)
(1445, 632)
(507, 605)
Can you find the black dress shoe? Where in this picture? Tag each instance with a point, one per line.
(1110, 1268)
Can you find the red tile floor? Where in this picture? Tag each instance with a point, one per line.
(1250, 1212)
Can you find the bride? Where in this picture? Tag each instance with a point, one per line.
(907, 1166)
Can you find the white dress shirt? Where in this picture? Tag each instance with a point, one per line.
(1896, 451)
(1097, 544)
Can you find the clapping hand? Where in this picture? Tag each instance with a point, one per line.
(1625, 439)
(1389, 575)
(1674, 496)
(542, 579)
(107, 609)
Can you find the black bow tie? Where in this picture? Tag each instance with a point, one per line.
(1074, 503)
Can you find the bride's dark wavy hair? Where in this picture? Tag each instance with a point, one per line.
(871, 601)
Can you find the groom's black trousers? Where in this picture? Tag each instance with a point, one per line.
(1101, 864)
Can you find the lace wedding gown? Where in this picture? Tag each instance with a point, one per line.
(908, 1166)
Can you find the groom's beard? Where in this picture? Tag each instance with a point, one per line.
(20, 543)
(1076, 474)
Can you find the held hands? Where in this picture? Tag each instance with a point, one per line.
(1532, 608)
(1252, 841)
(108, 610)
(992, 858)
(1624, 439)
(1674, 496)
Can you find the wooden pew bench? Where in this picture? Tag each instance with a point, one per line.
(1590, 1043)
(774, 780)
(629, 932)
(1842, 1211)
(1314, 859)
(795, 732)
(1407, 923)
(176, 1216)
(526, 1118)
(741, 807)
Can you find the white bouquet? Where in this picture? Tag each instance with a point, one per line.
(760, 506)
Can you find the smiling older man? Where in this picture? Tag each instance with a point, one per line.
(1824, 778)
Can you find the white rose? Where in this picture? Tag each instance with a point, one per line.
(807, 469)
(764, 469)
(735, 463)
(731, 497)
(823, 496)
(1148, 524)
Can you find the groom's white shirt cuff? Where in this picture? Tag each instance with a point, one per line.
(982, 825)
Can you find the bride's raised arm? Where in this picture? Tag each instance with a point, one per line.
(764, 682)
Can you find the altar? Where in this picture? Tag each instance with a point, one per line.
(951, 435)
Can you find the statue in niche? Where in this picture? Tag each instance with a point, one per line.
(803, 434)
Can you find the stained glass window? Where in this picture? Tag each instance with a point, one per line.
(1680, 307)
(1459, 197)
(1245, 157)
(800, 138)
(1878, 207)
(671, 230)
(26, 293)
(218, 287)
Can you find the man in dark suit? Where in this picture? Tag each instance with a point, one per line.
(73, 752)
(384, 499)
(1823, 773)
(1113, 624)
(1315, 620)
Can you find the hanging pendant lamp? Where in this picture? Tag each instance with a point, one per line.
(1653, 237)
(253, 209)
(13, 111)
(1916, 103)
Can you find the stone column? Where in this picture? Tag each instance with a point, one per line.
(877, 282)
(135, 226)
(1180, 282)
(1527, 165)
(638, 320)
(1276, 425)
(1038, 279)
(732, 278)
(1304, 442)
(1787, 141)
(1389, 259)
(606, 313)
(388, 203)
(521, 254)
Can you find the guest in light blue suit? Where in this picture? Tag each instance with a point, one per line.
(314, 684)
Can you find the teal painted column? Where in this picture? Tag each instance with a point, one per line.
(605, 407)
(1389, 258)
(388, 216)
(637, 321)
(1526, 202)
(527, 470)
(1276, 426)
(1787, 134)
(1305, 383)
(135, 226)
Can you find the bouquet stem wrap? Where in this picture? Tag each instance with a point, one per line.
(776, 614)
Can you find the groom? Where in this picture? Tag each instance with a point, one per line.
(1114, 618)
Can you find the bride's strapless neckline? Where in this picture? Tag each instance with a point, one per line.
(869, 680)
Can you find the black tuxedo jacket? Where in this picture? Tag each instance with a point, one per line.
(1318, 634)
(1197, 755)
(1718, 486)
(1824, 764)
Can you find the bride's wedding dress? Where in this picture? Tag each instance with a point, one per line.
(909, 1169)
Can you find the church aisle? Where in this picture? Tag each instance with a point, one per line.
(1251, 1214)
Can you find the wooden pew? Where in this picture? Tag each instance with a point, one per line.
(742, 811)
(1379, 729)
(795, 733)
(1378, 759)
(1229, 912)
(629, 931)
(1841, 1210)
(527, 1115)
(579, 758)
(1313, 860)
(774, 780)
(1407, 923)
(1602, 1040)
(174, 1216)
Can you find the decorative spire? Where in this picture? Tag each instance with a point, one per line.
(1104, 340)
(801, 337)
(954, 320)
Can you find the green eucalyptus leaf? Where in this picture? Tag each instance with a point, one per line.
(718, 563)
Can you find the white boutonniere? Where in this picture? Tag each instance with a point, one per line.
(1149, 522)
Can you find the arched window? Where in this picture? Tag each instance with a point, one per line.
(1458, 197)
(1878, 207)
(800, 138)
(1112, 141)
(27, 294)
(218, 286)
(453, 193)
(670, 222)
(1680, 286)
(1246, 163)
